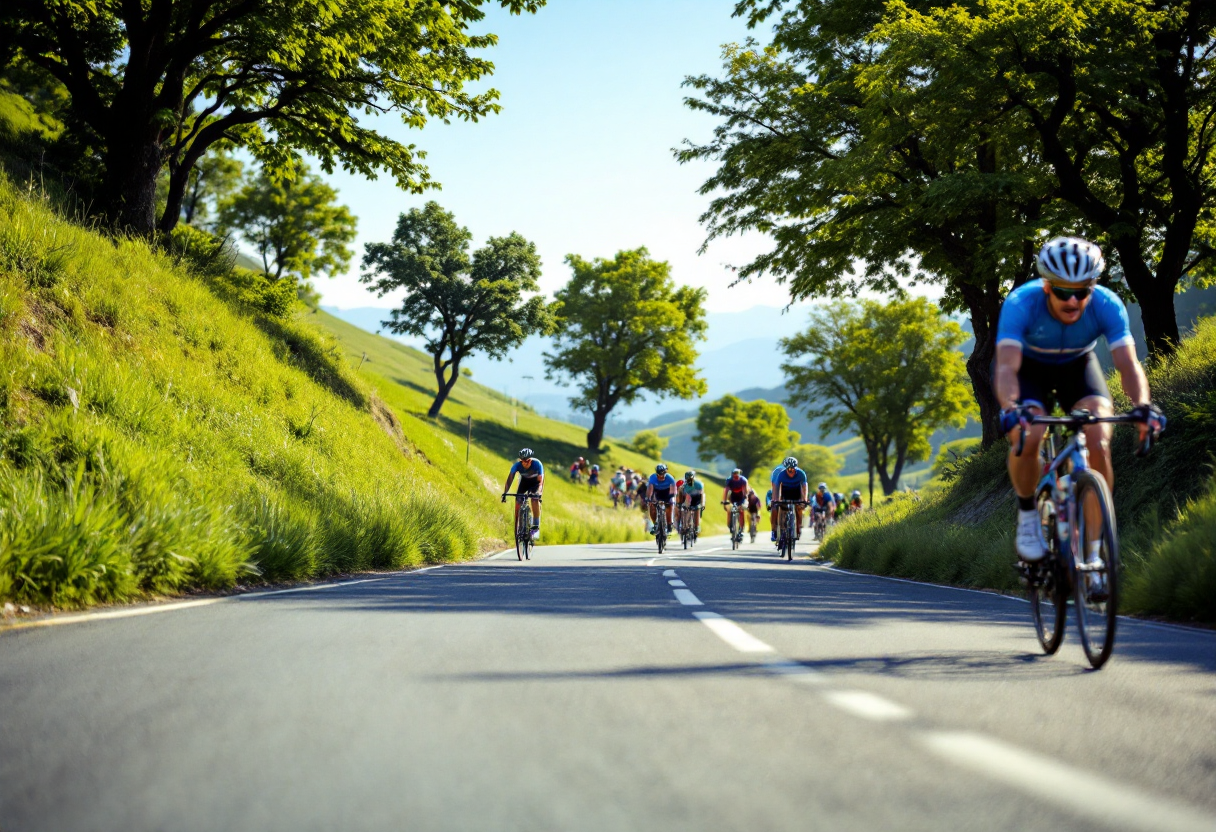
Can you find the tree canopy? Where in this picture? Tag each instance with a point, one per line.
(460, 304)
(649, 444)
(625, 329)
(212, 180)
(156, 84)
(892, 372)
(296, 225)
(818, 461)
(747, 433)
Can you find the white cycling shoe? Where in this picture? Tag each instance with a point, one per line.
(1029, 541)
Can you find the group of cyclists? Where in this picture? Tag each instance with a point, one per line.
(1046, 336)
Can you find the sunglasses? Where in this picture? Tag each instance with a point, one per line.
(1069, 294)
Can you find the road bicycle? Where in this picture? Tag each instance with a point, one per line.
(1070, 497)
(787, 536)
(821, 523)
(734, 523)
(660, 531)
(523, 523)
(688, 526)
(753, 520)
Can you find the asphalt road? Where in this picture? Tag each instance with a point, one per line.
(587, 691)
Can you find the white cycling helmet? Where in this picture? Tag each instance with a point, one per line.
(790, 462)
(1070, 260)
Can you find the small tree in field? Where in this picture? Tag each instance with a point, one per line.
(747, 433)
(623, 329)
(649, 444)
(211, 181)
(891, 372)
(460, 304)
(296, 225)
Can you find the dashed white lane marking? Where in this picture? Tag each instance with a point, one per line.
(676, 582)
(134, 612)
(685, 597)
(669, 573)
(1079, 792)
(867, 705)
(732, 633)
(795, 671)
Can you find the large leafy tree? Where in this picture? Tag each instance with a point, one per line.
(625, 329)
(460, 304)
(1121, 98)
(892, 372)
(157, 83)
(747, 433)
(860, 180)
(295, 224)
(818, 461)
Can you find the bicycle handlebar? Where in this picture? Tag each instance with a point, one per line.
(521, 494)
(791, 502)
(1076, 420)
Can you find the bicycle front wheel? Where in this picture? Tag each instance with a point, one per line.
(1047, 592)
(1096, 555)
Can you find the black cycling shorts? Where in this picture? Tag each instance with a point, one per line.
(529, 484)
(663, 496)
(738, 498)
(694, 499)
(791, 492)
(1065, 384)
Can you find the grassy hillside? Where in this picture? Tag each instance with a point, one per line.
(1166, 507)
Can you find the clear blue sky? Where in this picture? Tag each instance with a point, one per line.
(579, 160)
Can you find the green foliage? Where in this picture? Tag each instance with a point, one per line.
(748, 433)
(625, 329)
(278, 80)
(891, 372)
(158, 432)
(649, 444)
(209, 184)
(819, 462)
(952, 453)
(293, 222)
(460, 304)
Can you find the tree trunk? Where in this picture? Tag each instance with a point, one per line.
(984, 307)
(445, 385)
(599, 418)
(1155, 295)
(130, 185)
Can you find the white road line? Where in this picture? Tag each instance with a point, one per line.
(1084, 794)
(867, 705)
(685, 597)
(795, 671)
(676, 582)
(669, 573)
(153, 609)
(732, 633)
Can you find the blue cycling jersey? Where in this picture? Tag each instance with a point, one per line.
(1026, 322)
(782, 478)
(531, 472)
(666, 484)
(773, 476)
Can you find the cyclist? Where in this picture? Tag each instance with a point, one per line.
(840, 506)
(660, 489)
(822, 502)
(735, 494)
(789, 483)
(692, 494)
(1045, 356)
(640, 487)
(617, 485)
(532, 481)
(679, 491)
(768, 500)
(753, 512)
(593, 481)
(855, 502)
(574, 469)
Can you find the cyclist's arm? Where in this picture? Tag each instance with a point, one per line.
(1131, 374)
(506, 489)
(1008, 362)
(540, 485)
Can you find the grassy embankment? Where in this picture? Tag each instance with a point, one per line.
(1166, 505)
(168, 423)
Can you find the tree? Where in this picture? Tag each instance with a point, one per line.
(158, 83)
(817, 460)
(1121, 97)
(892, 372)
(460, 304)
(295, 224)
(625, 329)
(861, 180)
(210, 183)
(649, 444)
(747, 433)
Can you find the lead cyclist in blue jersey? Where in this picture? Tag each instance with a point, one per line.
(1045, 356)
(532, 481)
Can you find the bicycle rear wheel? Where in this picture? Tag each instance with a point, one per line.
(791, 533)
(522, 532)
(734, 532)
(1047, 590)
(1096, 583)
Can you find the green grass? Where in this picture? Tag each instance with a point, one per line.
(961, 532)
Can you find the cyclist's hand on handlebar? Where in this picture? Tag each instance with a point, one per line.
(504, 498)
(1011, 417)
(1151, 419)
